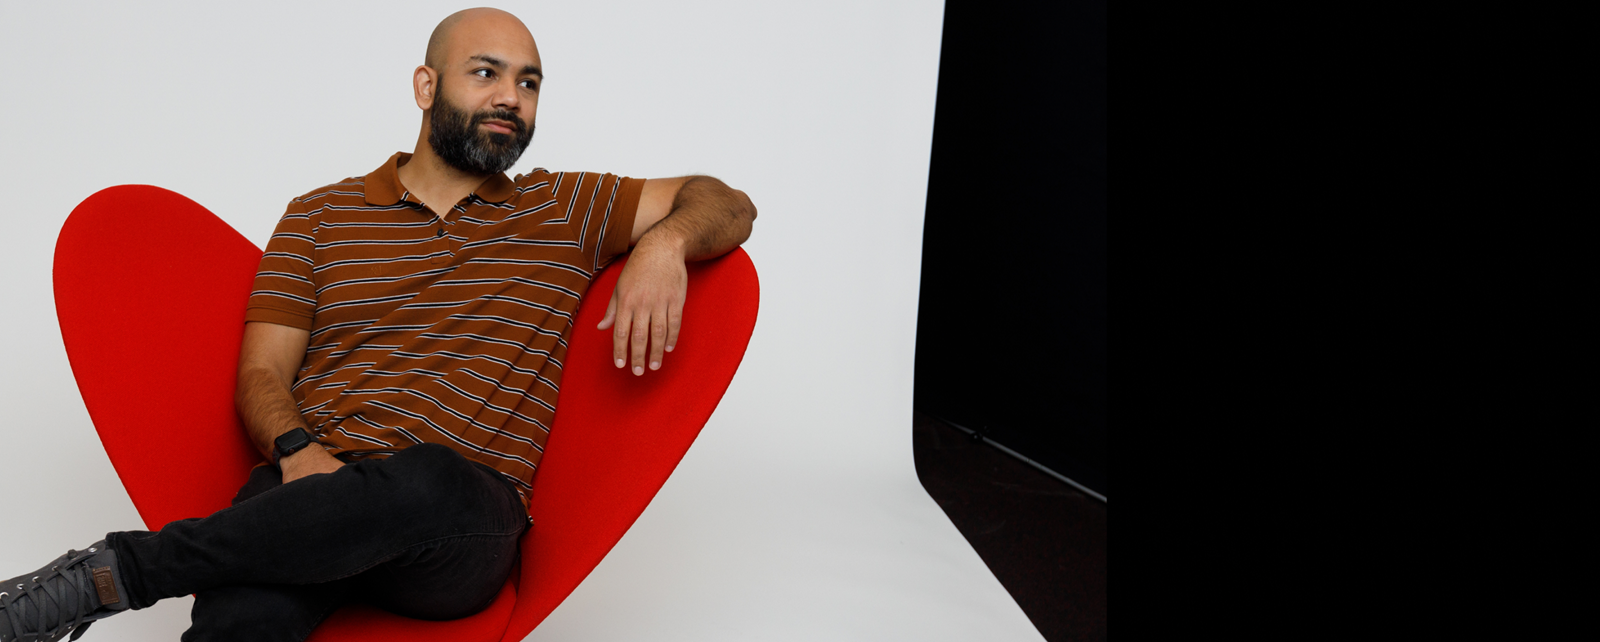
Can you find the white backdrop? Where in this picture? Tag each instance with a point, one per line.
(796, 516)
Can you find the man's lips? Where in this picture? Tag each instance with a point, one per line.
(500, 126)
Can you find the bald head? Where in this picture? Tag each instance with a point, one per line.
(468, 26)
(478, 88)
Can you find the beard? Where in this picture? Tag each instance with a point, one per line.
(455, 136)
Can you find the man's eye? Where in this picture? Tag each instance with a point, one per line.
(484, 73)
(530, 85)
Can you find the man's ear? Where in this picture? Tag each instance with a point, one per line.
(424, 85)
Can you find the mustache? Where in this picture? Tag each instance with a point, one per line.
(508, 116)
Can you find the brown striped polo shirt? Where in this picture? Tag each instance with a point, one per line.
(450, 331)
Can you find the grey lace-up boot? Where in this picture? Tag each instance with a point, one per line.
(65, 596)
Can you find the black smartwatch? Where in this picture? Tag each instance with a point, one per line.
(290, 443)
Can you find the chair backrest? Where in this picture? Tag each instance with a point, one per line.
(150, 292)
(618, 436)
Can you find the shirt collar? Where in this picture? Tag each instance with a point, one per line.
(383, 184)
(496, 188)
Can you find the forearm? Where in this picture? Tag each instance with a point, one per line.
(267, 407)
(708, 219)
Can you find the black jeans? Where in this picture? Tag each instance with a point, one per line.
(425, 533)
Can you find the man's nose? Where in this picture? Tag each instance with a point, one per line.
(505, 95)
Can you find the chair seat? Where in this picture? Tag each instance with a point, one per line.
(150, 292)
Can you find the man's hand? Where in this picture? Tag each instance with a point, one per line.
(310, 460)
(691, 218)
(647, 305)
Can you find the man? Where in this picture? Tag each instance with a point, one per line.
(400, 367)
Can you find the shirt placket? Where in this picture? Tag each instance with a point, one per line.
(451, 225)
(439, 247)
(444, 245)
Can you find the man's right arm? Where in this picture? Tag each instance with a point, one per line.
(269, 357)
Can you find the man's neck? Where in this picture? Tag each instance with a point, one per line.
(434, 182)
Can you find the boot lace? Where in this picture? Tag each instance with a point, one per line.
(68, 585)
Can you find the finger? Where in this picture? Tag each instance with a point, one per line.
(674, 321)
(619, 339)
(611, 312)
(658, 337)
(641, 334)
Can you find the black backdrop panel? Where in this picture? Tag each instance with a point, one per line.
(1011, 327)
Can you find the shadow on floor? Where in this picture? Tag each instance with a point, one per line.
(1043, 539)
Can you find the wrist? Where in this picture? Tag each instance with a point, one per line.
(300, 457)
(662, 240)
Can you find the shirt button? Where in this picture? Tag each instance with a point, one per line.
(441, 233)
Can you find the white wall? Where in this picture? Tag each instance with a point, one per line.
(797, 514)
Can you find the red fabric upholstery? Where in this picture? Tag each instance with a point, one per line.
(150, 291)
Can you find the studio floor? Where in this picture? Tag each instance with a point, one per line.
(1043, 539)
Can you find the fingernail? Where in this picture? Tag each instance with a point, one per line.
(669, 348)
(655, 365)
(638, 371)
(619, 363)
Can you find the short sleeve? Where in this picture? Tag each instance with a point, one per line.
(283, 292)
(602, 219)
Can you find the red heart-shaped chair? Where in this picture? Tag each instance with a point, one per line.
(150, 292)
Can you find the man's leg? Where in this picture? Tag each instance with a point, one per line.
(443, 580)
(327, 527)
(423, 507)
(263, 612)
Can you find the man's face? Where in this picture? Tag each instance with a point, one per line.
(482, 142)
(486, 93)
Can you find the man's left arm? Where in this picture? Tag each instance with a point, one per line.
(683, 219)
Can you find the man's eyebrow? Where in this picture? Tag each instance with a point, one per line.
(489, 60)
(501, 64)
